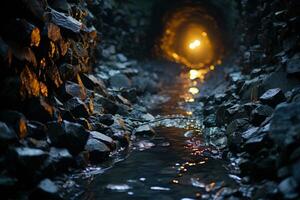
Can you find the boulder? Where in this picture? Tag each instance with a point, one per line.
(103, 138)
(255, 143)
(98, 151)
(260, 113)
(272, 97)
(67, 135)
(284, 124)
(210, 120)
(77, 107)
(26, 162)
(59, 160)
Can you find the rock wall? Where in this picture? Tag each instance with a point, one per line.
(256, 120)
(54, 115)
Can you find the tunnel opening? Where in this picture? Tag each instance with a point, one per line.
(195, 34)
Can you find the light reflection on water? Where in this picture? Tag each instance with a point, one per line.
(174, 164)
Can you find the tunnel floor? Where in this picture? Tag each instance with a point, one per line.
(176, 163)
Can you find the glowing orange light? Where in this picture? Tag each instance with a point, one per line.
(175, 56)
(194, 90)
(194, 74)
(204, 34)
(198, 74)
(190, 100)
(189, 113)
(195, 44)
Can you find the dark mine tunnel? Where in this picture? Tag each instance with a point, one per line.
(192, 33)
(150, 99)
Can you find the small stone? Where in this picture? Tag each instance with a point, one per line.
(255, 143)
(59, 160)
(209, 110)
(122, 138)
(121, 57)
(7, 183)
(91, 82)
(77, 107)
(84, 122)
(30, 153)
(238, 125)
(47, 190)
(288, 187)
(148, 117)
(36, 130)
(119, 81)
(283, 172)
(98, 151)
(106, 119)
(7, 135)
(15, 120)
(144, 130)
(109, 105)
(118, 187)
(103, 138)
(210, 120)
(130, 94)
(221, 142)
(273, 97)
(259, 114)
(144, 84)
(74, 90)
(249, 133)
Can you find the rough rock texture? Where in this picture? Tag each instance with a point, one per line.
(66, 88)
(262, 121)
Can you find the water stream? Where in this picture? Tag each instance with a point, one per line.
(176, 163)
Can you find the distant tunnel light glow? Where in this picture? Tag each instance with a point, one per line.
(194, 44)
(194, 90)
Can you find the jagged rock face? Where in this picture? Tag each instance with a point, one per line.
(39, 40)
(68, 135)
(285, 123)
